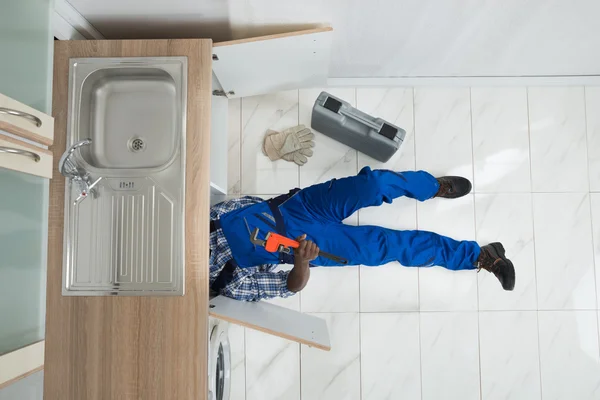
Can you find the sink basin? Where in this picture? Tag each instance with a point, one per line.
(131, 115)
(127, 236)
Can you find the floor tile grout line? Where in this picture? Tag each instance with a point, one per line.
(527, 95)
(358, 218)
(473, 194)
(241, 116)
(462, 311)
(537, 321)
(420, 357)
(598, 327)
(299, 293)
(266, 193)
(537, 298)
(245, 368)
(359, 285)
(414, 149)
(592, 218)
(419, 314)
(595, 272)
(300, 370)
(476, 238)
(590, 199)
(298, 119)
(542, 192)
(414, 125)
(416, 205)
(587, 147)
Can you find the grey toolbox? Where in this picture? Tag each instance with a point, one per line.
(337, 119)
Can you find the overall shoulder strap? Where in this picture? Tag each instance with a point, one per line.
(274, 205)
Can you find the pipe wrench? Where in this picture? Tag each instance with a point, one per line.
(274, 242)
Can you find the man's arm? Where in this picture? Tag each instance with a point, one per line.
(303, 255)
(224, 207)
(259, 286)
(267, 285)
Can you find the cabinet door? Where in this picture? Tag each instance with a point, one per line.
(23, 249)
(24, 157)
(266, 64)
(21, 363)
(26, 52)
(24, 121)
(26, 45)
(274, 320)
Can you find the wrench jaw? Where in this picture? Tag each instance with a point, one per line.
(260, 242)
(255, 240)
(283, 249)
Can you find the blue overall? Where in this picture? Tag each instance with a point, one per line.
(318, 211)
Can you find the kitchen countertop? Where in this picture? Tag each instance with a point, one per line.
(133, 347)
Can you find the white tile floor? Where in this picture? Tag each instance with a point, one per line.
(404, 333)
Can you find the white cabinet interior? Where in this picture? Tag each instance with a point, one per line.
(259, 65)
(269, 64)
(218, 142)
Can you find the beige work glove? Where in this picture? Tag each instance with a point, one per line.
(299, 157)
(293, 144)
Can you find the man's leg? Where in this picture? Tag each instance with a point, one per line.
(374, 245)
(337, 199)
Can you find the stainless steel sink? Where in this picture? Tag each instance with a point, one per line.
(127, 236)
(131, 115)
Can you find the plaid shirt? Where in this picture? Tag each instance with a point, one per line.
(248, 284)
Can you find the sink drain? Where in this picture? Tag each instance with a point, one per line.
(137, 144)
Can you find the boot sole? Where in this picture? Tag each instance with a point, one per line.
(499, 252)
(461, 194)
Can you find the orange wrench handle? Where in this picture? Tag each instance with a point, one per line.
(275, 240)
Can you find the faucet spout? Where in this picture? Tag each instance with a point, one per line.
(77, 174)
(67, 166)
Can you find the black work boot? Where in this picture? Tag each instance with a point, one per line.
(493, 259)
(452, 187)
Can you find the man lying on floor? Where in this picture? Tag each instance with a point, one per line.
(242, 270)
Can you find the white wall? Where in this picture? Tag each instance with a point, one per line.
(387, 38)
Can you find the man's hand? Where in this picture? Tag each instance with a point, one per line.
(303, 255)
(308, 250)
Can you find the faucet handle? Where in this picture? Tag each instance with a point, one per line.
(85, 189)
(82, 196)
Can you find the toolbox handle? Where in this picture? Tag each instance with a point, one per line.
(359, 118)
(336, 106)
(355, 114)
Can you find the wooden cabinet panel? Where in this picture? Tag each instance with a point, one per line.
(133, 347)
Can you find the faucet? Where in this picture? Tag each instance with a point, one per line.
(69, 168)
